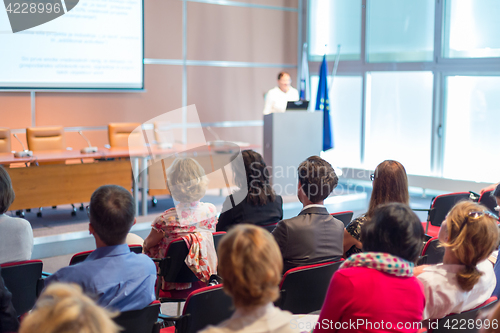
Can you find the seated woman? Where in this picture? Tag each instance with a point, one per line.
(190, 219)
(63, 308)
(378, 286)
(16, 235)
(261, 205)
(465, 279)
(390, 184)
(250, 264)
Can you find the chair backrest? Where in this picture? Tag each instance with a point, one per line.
(487, 199)
(45, 138)
(205, 306)
(79, 257)
(303, 289)
(453, 322)
(269, 227)
(172, 267)
(345, 217)
(118, 133)
(217, 237)
(23, 280)
(433, 252)
(5, 143)
(442, 204)
(144, 320)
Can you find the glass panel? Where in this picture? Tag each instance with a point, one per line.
(400, 30)
(345, 106)
(334, 22)
(399, 120)
(471, 29)
(471, 135)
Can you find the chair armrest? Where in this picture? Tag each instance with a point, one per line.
(46, 275)
(156, 260)
(421, 209)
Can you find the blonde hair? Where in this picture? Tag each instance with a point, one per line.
(186, 180)
(250, 264)
(63, 308)
(472, 238)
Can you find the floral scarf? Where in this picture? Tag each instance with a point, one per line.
(383, 262)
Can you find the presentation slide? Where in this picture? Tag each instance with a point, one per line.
(97, 44)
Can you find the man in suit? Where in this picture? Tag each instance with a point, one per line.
(118, 278)
(313, 236)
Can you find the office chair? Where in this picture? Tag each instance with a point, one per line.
(5, 143)
(118, 133)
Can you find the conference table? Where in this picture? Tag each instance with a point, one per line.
(51, 178)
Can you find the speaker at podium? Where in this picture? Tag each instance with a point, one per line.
(290, 138)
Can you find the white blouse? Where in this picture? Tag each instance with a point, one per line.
(443, 294)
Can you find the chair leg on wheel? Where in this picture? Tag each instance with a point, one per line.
(154, 201)
(178, 309)
(73, 212)
(39, 214)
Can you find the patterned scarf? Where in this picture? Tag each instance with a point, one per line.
(383, 262)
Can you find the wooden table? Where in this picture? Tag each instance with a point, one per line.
(64, 177)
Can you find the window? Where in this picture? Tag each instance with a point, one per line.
(400, 30)
(472, 138)
(471, 29)
(399, 120)
(335, 22)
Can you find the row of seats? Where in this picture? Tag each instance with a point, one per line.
(53, 138)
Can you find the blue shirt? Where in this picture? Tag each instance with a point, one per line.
(117, 278)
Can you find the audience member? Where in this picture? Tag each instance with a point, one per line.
(250, 265)
(491, 187)
(16, 235)
(489, 321)
(377, 287)
(190, 219)
(496, 292)
(118, 278)
(465, 279)
(314, 235)
(8, 316)
(261, 205)
(63, 308)
(390, 184)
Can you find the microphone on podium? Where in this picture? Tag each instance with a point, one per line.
(25, 152)
(218, 141)
(89, 149)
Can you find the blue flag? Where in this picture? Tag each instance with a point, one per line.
(323, 104)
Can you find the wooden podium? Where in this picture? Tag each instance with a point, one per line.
(290, 138)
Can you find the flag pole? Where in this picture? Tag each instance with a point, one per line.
(335, 66)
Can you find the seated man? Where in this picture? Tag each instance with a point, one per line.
(313, 236)
(119, 279)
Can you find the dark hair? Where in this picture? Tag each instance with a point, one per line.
(6, 190)
(496, 192)
(395, 229)
(256, 175)
(390, 185)
(112, 212)
(317, 178)
(281, 74)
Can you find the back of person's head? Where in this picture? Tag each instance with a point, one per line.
(6, 191)
(317, 178)
(389, 185)
(256, 175)
(63, 308)
(496, 192)
(250, 264)
(112, 213)
(186, 180)
(472, 234)
(395, 229)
